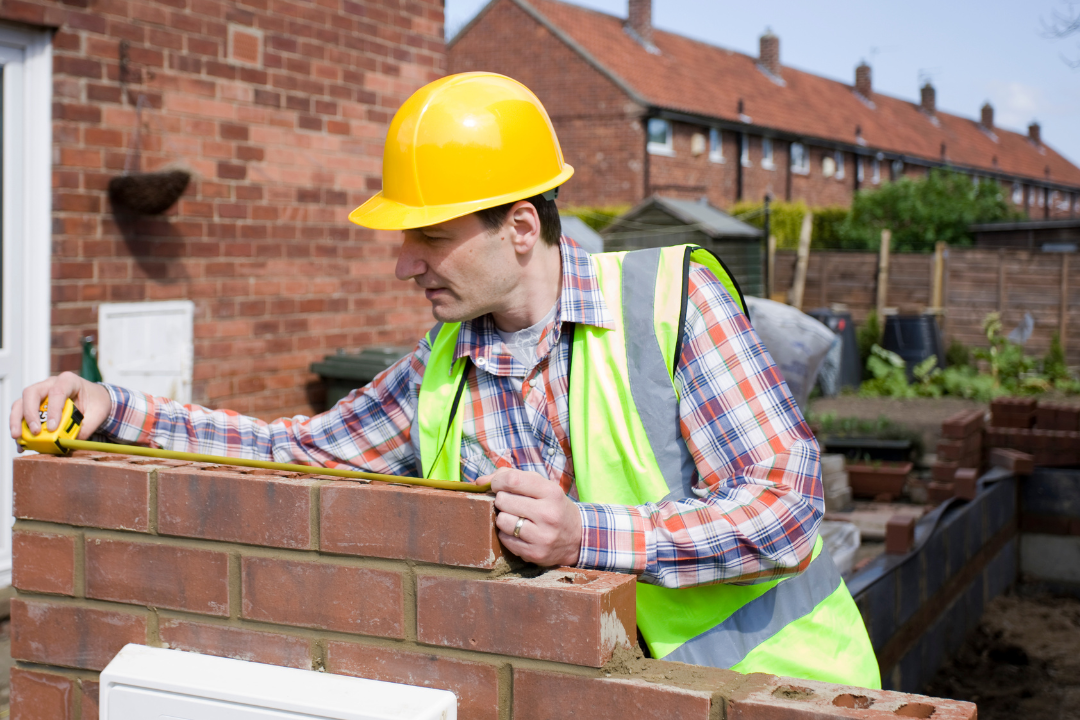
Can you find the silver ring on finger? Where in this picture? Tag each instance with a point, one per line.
(517, 527)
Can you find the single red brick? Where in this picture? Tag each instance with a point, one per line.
(767, 697)
(553, 696)
(475, 684)
(422, 524)
(158, 575)
(966, 482)
(69, 635)
(939, 492)
(226, 505)
(566, 615)
(237, 643)
(963, 424)
(325, 596)
(90, 699)
(43, 562)
(943, 472)
(78, 491)
(41, 696)
(899, 534)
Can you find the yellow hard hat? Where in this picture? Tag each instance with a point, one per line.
(461, 144)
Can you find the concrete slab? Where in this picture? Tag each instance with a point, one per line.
(1050, 557)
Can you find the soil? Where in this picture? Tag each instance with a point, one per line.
(1022, 661)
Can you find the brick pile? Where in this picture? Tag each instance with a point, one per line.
(386, 582)
(959, 457)
(279, 110)
(1049, 432)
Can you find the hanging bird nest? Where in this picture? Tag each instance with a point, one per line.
(148, 193)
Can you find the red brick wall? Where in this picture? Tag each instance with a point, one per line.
(280, 150)
(599, 128)
(276, 568)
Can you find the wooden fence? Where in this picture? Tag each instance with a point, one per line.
(975, 282)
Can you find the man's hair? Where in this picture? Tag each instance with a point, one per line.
(550, 225)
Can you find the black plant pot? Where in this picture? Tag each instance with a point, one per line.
(148, 193)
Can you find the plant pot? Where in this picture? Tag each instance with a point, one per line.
(148, 193)
(873, 480)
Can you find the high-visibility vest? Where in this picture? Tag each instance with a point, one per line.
(627, 449)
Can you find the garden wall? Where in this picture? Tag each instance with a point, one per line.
(976, 282)
(380, 581)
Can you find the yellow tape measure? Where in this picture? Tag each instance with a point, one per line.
(64, 439)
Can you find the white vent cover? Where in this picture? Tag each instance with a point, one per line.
(148, 347)
(144, 683)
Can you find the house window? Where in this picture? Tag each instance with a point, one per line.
(716, 146)
(838, 158)
(1042, 197)
(875, 171)
(897, 169)
(660, 140)
(767, 154)
(744, 156)
(1061, 201)
(1018, 194)
(800, 159)
(860, 169)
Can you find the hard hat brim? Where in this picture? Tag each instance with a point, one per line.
(381, 213)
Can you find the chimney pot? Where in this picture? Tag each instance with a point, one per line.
(769, 55)
(862, 80)
(928, 99)
(640, 20)
(1034, 133)
(988, 116)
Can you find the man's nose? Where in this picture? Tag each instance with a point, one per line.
(410, 262)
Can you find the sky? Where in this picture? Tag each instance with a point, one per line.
(971, 51)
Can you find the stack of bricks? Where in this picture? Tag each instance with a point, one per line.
(1050, 432)
(387, 582)
(959, 457)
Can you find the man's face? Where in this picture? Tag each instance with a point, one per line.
(464, 269)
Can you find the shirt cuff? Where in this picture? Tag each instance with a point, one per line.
(613, 538)
(129, 415)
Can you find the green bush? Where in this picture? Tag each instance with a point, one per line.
(920, 212)
(868, 335)
(785, 222)
(598, 217)
(958, 354)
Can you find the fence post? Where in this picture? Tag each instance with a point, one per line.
(770, 267)
(883, 272)
(1063, 314)
(938, 282)
(802, 260)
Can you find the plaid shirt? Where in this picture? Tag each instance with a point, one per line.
(758, 472)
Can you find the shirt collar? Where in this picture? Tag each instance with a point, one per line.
(580, 301)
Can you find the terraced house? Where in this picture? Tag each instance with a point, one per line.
(640, 112)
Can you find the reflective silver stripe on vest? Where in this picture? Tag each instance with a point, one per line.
(650, 384)
(731, 641)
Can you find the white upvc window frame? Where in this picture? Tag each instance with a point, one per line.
(768, 154)
(716, 145)
(744, 155)
(875, 171)
(1017, 194)
(860, 168)
(838, 158)
(803, 155)
(656, 148)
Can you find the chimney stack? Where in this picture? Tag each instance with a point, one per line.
(1034, 134)
(988, 116)
(769, 54)
(929, 99)
(640, 20)
(862, 80)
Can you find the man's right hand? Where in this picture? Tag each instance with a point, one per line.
(92, 400)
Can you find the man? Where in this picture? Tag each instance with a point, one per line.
(623, 409)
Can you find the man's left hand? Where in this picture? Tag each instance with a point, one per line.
(551, 532)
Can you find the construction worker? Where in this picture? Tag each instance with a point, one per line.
(621, 405)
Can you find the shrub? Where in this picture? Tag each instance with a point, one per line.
(599, 217)
(785, 222)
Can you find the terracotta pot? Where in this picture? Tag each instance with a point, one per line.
(878, 479)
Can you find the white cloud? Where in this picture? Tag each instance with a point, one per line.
(1016, 104)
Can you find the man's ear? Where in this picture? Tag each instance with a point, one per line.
(523, 222)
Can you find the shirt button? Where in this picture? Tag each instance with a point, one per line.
(481, 361)
(532, 381)
(551, 450)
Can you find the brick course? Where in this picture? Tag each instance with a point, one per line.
(528, 645)
(279, 111)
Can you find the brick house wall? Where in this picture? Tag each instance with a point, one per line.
(279, 110)
(387, 582)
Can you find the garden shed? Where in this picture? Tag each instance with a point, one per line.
(662, 222)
